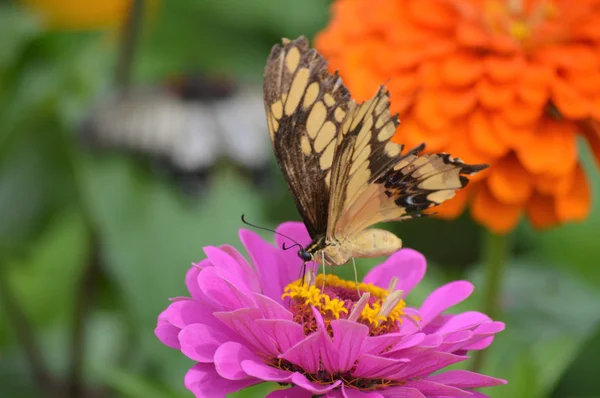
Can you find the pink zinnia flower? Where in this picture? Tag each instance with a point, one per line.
(246, 324)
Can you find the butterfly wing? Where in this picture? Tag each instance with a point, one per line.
(305, 107)
(373, 181)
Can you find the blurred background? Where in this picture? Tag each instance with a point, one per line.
(131, 137)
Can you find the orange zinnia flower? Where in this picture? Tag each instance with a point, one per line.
(511, 83)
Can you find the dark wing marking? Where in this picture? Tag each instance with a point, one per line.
(374, 182)
(305, 107)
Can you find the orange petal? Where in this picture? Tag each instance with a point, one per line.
(455, 206)
(412, 133)
(540, 210)
(440, 48)
(553, 185)
(430, 75)
(535, 95)
(472, 34)
(584, 82)
(580, 57)
(534, 84)
(504, 44)
(462, 69)
(496, 216)
(503, 69)
(494, 96)
(456, 103)
(460, 146)
(554, 150)
(427, 111)
(537, 74)
(568, 101)
(551, 56)
(575, 205)
(513, 136)
(509, 182)
(483, 136)
(433, 14)
(521, 113)
(591, 131)
(402, 84)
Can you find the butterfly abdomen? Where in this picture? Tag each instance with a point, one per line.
(374, 242)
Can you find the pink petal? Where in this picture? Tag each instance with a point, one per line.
(372, 367)
(286, 334)
(407, 265)
(269, 373)
(199, 341)
(228, 358)
(349, 392)
(455, 341)
(271, 309)
(243, 321)
(262, 371)
(187, 312)
(191, 280)
(166, 332)
(268, 262)
(465, 320)
(402, 392)
(430, 388)
(204, 381)
(230, 270)
(315, 388)
(484, 335)
(427, 363)
(465, 379)
(480, 344)
(306, 353)
(385, 342)
(444, 298)
(293, 264)
(295, 230)
(408, 342)
(293, 392)
(348, 339)
(249, 272)
(222, 292)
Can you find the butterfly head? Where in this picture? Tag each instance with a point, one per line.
(305, 255)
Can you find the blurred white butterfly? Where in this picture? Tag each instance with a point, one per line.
(190, 126)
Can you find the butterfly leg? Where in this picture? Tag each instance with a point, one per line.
(355, 277)
(323, 265)
(302, 273)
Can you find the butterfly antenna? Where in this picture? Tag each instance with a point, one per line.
(275, 232)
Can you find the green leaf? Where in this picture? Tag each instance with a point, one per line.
(44, 280)
(549, 315)
(150, 236)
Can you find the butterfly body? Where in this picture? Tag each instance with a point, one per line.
(372, 242)
(339, 162)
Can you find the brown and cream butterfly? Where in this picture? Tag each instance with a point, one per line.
(339, 162)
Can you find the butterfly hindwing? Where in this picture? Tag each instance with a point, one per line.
(305, 107)
(375, 182)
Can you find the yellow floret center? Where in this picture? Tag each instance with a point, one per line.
(336, 298)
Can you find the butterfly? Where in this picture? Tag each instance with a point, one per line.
(187, 128)
(344, 172)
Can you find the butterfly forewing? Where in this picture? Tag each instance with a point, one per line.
(341, 166)
(305, 107)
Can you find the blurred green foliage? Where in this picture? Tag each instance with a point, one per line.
(62, 207)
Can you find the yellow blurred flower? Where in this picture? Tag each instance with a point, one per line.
(511, 83)
(81, 14)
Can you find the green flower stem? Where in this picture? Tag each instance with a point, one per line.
(496, 253)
